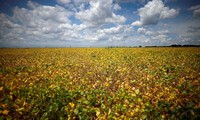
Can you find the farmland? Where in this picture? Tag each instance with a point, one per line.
(100, 83)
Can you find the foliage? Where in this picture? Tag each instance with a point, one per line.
(100, 83)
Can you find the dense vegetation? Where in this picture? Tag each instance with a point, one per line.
(100, 83)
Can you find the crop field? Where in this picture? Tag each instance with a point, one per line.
(100, 83)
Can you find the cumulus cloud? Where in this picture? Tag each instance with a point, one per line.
(41, 14)
(160, 38)
(88, 22)
(154, 36)
(41, 24)
(99, 13)
(72, 4)
(117, 33)
(79, 2)
(154, 11)
(131, 1)
(35, 23)
(144, 31)
(113, 30)
(63, 1)
(116, 7)
(195, 10)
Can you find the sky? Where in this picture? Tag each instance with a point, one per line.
(99, 23)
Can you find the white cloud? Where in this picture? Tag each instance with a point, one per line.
(72, 4)
(32, 5)
(42, 24)
(144, 31)
(90, 22)
(137, 23)
(63, 1)
(116, 7)
(99, 13)
(35, 23)
(79, 2)
(40, 15)
(160, 38)
(141, 30)
(154, 36)
(113, 30)
(131, 1)
(195, 10)
(118, 33)
(154, 11)
(163, 32)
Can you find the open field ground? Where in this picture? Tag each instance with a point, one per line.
(100, 83)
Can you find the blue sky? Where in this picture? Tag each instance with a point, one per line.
(98, 23)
